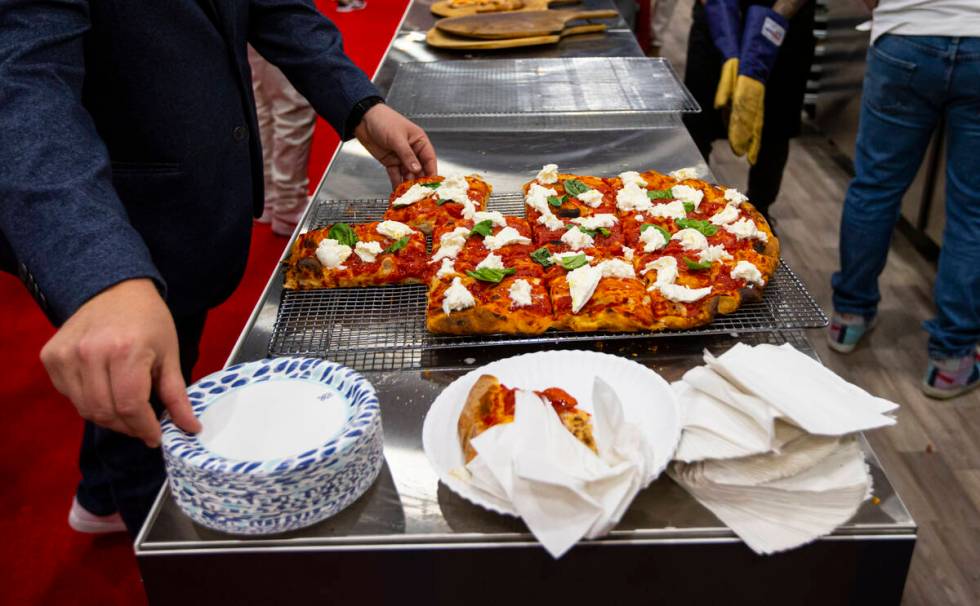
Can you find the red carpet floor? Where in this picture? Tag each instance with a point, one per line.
(42, 561)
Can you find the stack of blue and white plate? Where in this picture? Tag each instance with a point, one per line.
(287, 442)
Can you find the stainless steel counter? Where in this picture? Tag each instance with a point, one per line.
(409, 538)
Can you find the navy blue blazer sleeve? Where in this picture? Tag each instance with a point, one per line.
(307, 47)
(58, 210)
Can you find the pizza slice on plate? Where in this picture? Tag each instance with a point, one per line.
(491, 403)
(364, 254)
(426, 203)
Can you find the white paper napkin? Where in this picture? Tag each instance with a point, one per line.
(716, 429)
(803, 391)
(562, 489)
(787, 512)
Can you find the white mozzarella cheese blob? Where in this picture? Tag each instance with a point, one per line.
(725, 216)
(394, 229)
(592, 198)
(748, 272)
(332, 253)
(520, 293)
(448, 268)
(582, 283)
(714, 253)
(491, 261)
(368, 251)
(746, 228)
(537, 198)
(733, 196)
(666, 268)
(495, 217)
(415, 193)
(617, 268)
(632, 197)
(652, 239)
(606, 220)
(505, 236)
(548, 174)
(686, 193)
(690, 239)
(577, 239)
(680, 174)
(671, 210)
(632, 177)
(628, 253)
(450, 244)
(456, 297)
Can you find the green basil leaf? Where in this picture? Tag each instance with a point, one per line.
(398, 244)
(689, 207)
(584, 230)
(432, 185)
(605, 231)
(491, 274)
(556, 201)
(543, 257)
(701, 225)
(442, 201)
(657, 194)
(575, 262)
(574, 187)
(697, 265)
(343, 234)
(483, 228)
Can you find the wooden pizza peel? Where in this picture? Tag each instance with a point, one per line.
(440, 39)
(521, 24)
(443, 8)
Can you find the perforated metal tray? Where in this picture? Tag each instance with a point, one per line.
(391, 319)
(569, 87)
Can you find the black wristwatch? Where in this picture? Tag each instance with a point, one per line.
(357, 114)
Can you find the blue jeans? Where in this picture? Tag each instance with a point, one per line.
(910, 83)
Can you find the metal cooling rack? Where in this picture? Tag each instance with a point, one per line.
(386, 325)
(578, 86)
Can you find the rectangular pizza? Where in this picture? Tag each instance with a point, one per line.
(364, 254)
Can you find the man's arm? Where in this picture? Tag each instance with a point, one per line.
(307, 47)
(64, 222)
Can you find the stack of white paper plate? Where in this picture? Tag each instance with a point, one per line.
(287, 442)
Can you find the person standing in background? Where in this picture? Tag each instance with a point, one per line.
(923, 66)
(663, 11)
(747, 66)
(286, 122)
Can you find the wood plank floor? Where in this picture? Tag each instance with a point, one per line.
(932, 456)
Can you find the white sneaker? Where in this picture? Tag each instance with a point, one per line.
(82, 520)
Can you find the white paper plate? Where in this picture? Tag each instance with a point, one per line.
(648, 401)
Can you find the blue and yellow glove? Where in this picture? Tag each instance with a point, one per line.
(725, 25)
(764, 32)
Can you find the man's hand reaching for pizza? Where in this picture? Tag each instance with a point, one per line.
(109, 356)
(397, 143)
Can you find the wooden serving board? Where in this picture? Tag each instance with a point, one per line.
(441, 39)
(522, 24)
(443, 8)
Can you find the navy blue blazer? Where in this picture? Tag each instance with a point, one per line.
(128, 139)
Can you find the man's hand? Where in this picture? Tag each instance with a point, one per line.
(398, 144)
(108, 357)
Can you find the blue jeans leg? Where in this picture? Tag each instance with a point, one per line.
(955, 330)
(898, 116)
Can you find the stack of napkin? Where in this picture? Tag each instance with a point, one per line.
(563, 490)
(769, 444)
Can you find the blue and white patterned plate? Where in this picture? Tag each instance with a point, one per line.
(286, 443)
